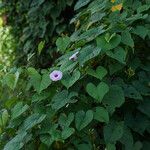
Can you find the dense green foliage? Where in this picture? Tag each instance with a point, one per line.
(102, 101)
(36, 24)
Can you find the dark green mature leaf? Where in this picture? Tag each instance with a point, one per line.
(65, 121)
(127, 139)
(110, 146)
(81, 3)
(114, 98)
(62, 43)
(18, 109)
(82, 119)
(101, 114)
(145, 107)
(97, 92)
(67, 132)
(113, 132)
(91, 34)
(69, 80)
(61, 99)
(31, 121)
(108, 45)
(100, 72)
(88, 53)
(141, 31)
(119, 54)
(131, 92)
(39, 82)
(127, 39)
(45, 82)
(17, 142)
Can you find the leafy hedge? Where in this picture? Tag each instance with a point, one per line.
(36, 24)
(102, 99)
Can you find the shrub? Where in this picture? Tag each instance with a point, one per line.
(36, 25)
(102, 99)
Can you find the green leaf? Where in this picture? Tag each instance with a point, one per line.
(113, 132)
(97, 92)
(91, 34)
(127, 139)
(141, 31)
(104, 45)
(110, 146)
(45, 82)
(131, 92)
(61, 99)
(65, 121)
(3, 117)
(87, 53)
(68, 65)
(119, 54)
(81, 3)
(127, 39)
(69, 80)
(41, 46)
(114, 98)
(19, 109)
(17, 142)
(31, 121)
(143, 8)
(100, 72)
(67, 132)
(138, 145)
(101, 114)
(62, 43)
(82, 119)
(37, 81)
(11, 80)
(144, 107)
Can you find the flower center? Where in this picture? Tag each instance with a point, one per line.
(56, 75)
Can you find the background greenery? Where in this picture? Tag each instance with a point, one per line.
(102, 101)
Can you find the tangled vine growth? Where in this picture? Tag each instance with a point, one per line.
(95, 96)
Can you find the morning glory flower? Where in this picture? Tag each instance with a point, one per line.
(56, 75)
(74, 56)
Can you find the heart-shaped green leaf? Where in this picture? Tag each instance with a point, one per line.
(100, 72)
(82, 119)
(69, 80)
(105, 45)
(97, 92)
(101, 114)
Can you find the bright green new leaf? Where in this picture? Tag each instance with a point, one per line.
(3, 117)
(82, 119)
(41, 46)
